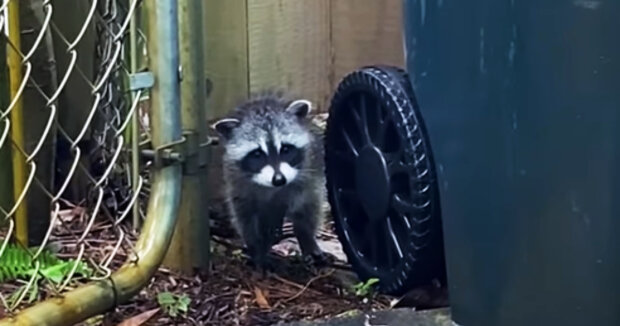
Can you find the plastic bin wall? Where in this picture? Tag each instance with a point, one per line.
(522, 103)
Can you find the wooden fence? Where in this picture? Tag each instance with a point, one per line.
(303, 46)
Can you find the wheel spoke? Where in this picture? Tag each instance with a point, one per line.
(361, 122)
(363, 108)
(354, 240)
(379, 113)
(373, 242)
(398, 167)
(343, 157)
(381, 128)
(394, 156)
(388, 247)
(346, 198)
(348, 195)
(380, 134)
(350, 143)
(392, 239)
(364, 116)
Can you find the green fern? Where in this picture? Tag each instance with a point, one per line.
(17, 263)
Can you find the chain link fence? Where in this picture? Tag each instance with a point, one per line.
(65, 142)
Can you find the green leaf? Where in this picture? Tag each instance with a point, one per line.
(57, 272)
(173, 304)
(33, 294)
(16, 263)
(166, 298)
(172, 311)
(363, 289)
(184, 302)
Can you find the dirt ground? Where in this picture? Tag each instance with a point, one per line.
(231, 293)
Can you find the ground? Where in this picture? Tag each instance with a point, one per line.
(231, 293)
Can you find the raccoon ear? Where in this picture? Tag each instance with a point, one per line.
(224, 127)
(300, 108)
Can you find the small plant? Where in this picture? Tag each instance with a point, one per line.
(16, 264)
(237, 254)
(173, 304)
(365, 289)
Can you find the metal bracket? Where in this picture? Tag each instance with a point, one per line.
(141, 80)
(187, 151)
(167, 154)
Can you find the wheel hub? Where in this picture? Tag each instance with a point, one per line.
(373, 183)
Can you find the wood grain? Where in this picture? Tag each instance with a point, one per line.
(226, 54)
(365, 32)
(289, 47)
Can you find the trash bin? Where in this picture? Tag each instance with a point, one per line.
(521, 100)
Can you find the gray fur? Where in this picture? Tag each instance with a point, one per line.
(258, 211)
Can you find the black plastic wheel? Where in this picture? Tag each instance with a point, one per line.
(381, 181)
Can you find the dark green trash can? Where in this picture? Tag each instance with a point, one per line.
(521, 99)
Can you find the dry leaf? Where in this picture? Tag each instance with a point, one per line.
(140, 319)
(261, 300)
(68, 215)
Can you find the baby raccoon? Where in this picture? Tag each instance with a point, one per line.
(272, 167)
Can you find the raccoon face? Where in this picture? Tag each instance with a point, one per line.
(269, 145)
(273, 167)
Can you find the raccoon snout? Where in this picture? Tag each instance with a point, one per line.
(278, 179)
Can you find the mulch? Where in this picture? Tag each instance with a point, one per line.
(233, 293)
(230, 292)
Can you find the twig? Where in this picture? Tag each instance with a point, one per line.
(302, 288)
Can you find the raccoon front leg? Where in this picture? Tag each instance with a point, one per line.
(256, 242)
(260, 232)
(305, 225)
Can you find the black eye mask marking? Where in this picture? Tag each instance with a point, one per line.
(291, 155)
(254, 161)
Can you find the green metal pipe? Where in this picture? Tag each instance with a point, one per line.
(135, 132)
(99, 297)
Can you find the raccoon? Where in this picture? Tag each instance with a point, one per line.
(272, 166)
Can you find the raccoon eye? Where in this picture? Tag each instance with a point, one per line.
(256, 153)
(286, 148)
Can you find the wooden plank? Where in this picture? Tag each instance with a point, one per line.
(365, 32)
(226, 54)
(226, 70)
(289, 47)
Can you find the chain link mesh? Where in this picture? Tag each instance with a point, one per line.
(86, 228)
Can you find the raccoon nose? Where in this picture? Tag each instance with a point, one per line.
(278, 179)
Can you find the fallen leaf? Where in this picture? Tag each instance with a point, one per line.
(140, 319)
(261, 300)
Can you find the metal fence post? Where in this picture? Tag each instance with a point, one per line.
(6, 169)
(17, 122)
(135, 125)
(98, 297)
(190, 244)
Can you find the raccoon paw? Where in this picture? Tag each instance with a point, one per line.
(319, 259)
(263, 266)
